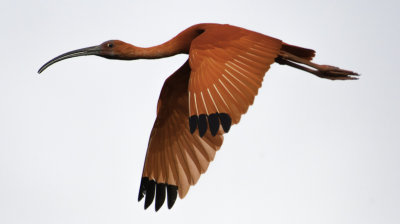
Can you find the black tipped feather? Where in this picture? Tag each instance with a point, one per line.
(150, 190)
(226, 121)
(202, 124)
(143, 186)
(213, 122)
(160, 195)
(172, 192)
(193, 120)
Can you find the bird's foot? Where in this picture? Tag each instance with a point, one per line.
(335, 73)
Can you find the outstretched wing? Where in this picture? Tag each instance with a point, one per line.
(175, 157)
(214, 88)
(228, 66)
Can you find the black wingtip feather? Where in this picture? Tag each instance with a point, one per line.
(172, 192)
(213, 122)
(143, 186)
(151, 187)
(226, 121)
(193, 120)
(202, 124)
(160, 195)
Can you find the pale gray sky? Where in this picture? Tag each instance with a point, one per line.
(73, 139)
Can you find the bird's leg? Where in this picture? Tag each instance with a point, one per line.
(322, 71)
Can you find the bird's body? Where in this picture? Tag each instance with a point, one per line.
(203, 98)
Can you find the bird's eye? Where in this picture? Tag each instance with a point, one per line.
(110, 45)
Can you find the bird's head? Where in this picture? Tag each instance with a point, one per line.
(111, 49)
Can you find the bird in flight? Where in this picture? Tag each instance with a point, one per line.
(201, 100)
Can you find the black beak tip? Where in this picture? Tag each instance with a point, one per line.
(40, 70)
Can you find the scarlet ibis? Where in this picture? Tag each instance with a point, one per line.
(203, 98)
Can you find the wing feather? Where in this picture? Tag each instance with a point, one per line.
(228, 63)
(175, 157)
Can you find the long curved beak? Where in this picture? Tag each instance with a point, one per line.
(76, 53)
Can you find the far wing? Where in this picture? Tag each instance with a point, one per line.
(175, 158)
(228, 66)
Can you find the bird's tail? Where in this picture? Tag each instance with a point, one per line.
(300, 52)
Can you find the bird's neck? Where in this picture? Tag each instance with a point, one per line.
(180, 44)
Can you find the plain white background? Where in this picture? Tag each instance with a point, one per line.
(73, 139)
